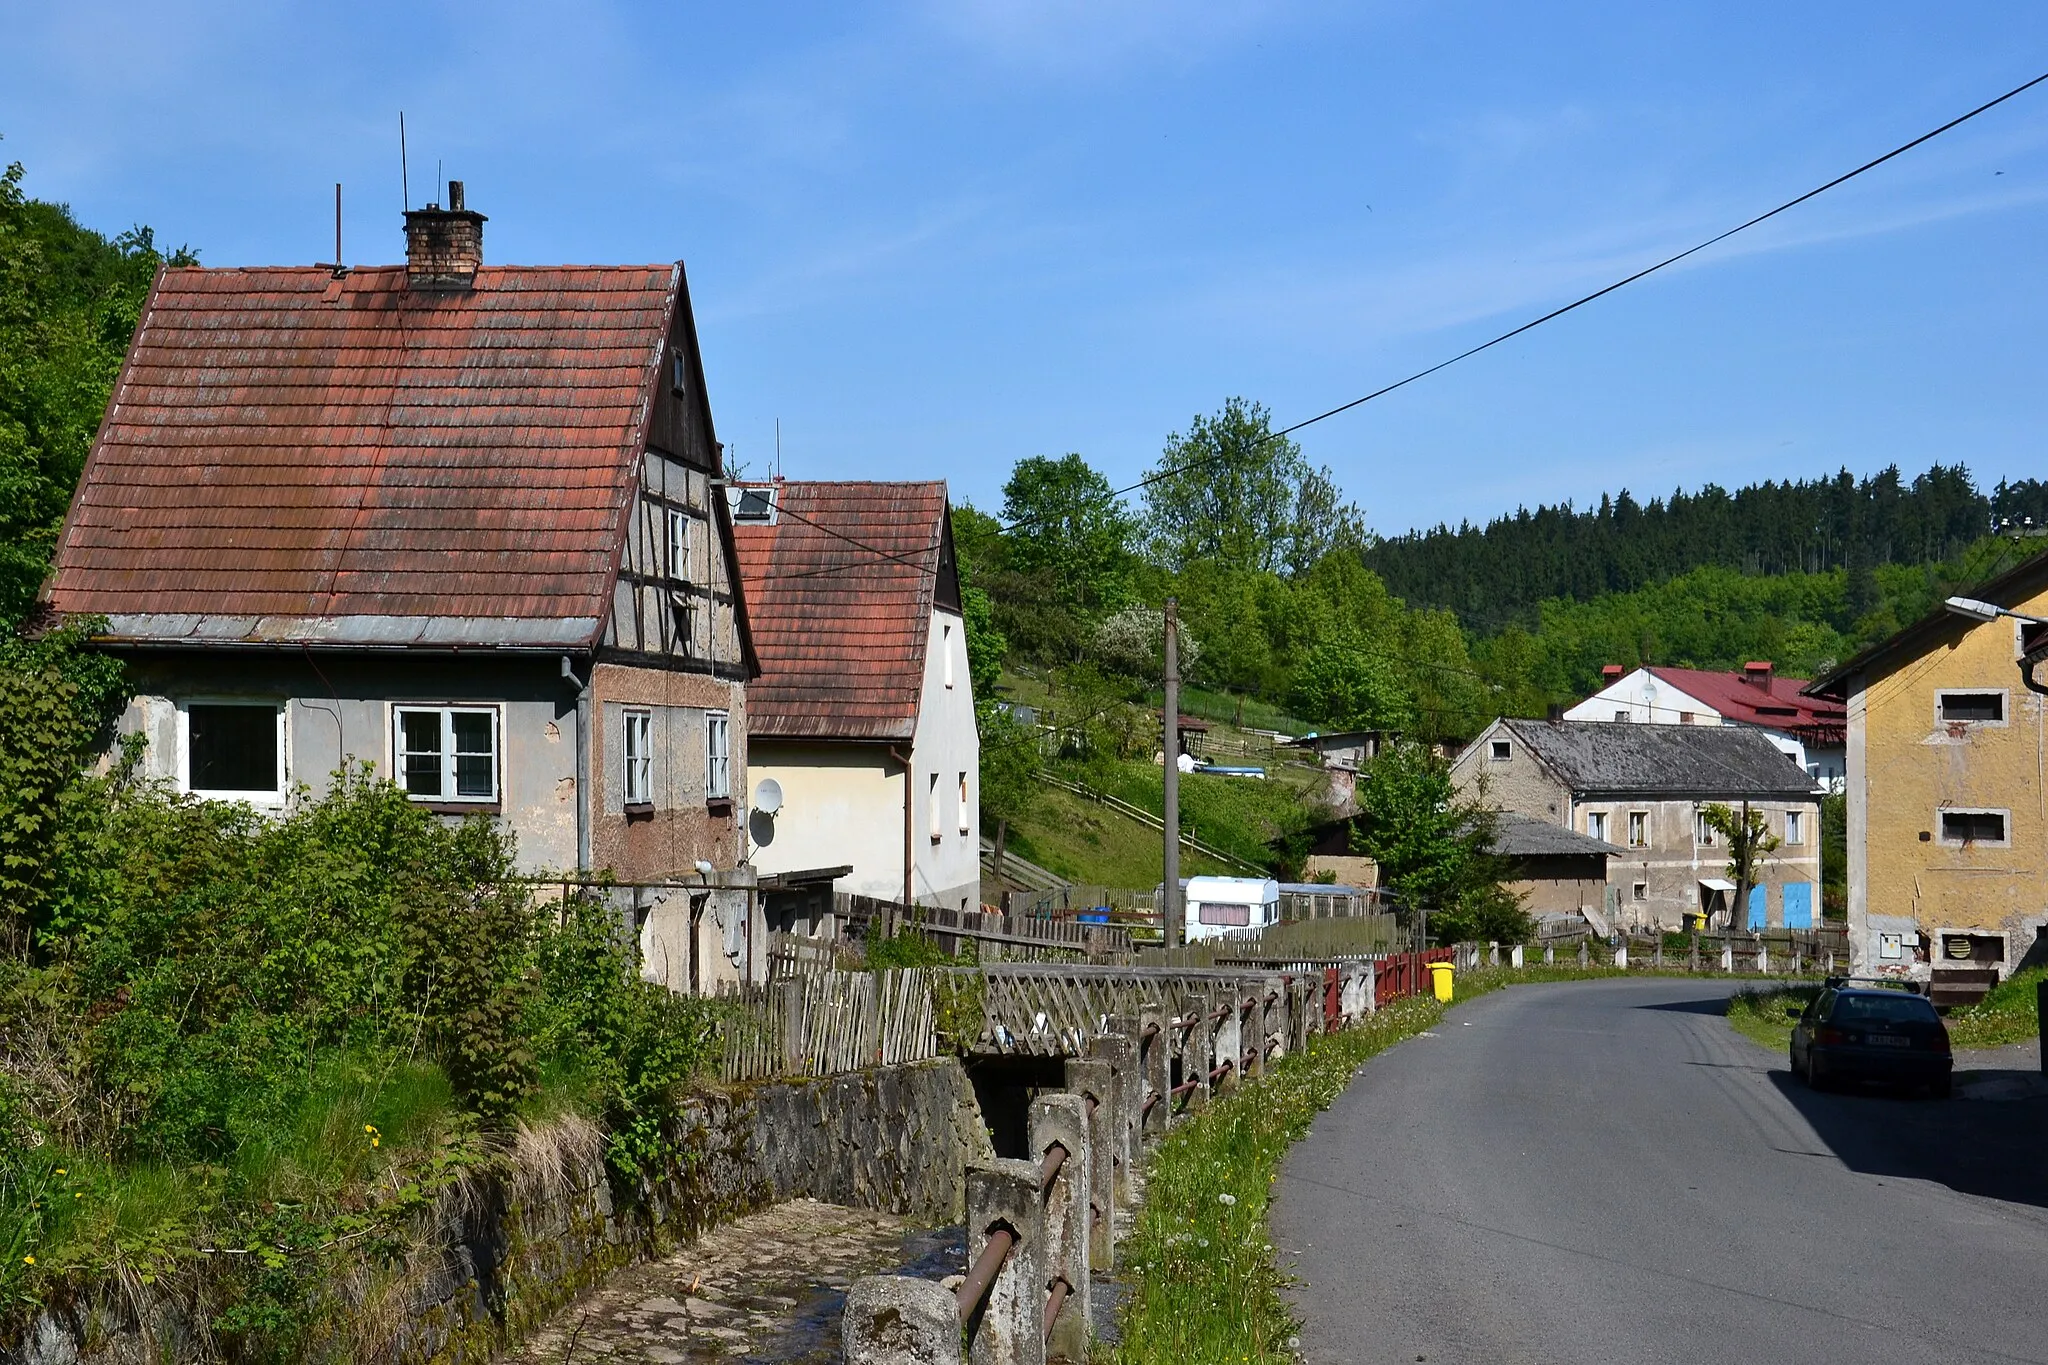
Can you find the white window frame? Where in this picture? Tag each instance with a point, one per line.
(1596, 824)
(938, 823)
(272, 798)
(1639, 892)
(1639, 824)
(966, 821)
(717, 756)
(2004, 817)
(1499, 751)
(1795, 827)
(1703, 834)
(946, 650)
(447, 711)
(2004, 695)
(676, 529)
(638, 750)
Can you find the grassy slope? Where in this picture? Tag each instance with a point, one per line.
(1092, 844)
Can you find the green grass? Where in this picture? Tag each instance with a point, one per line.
(1237, 815)
(2004, 1017)
(1093, 845)
(1203, 1284)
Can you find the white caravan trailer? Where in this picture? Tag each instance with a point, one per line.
(1217, 906)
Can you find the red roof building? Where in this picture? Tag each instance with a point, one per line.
(459, 522)
(863, 712)
(1812, 731)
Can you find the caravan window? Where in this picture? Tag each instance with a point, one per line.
(1228, 916)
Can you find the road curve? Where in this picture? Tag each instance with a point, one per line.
(1605, 1171)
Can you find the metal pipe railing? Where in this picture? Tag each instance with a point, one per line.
(1055, 1302)
(1049, 1170)
(974, 1288)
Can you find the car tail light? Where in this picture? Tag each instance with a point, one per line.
(1830, 1037)
(1941, 1040)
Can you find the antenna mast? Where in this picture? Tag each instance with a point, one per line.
(404, 175)
(337, 225)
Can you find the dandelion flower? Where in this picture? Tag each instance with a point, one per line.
(62, 1171)
(28, 1260)
(1226, 1199)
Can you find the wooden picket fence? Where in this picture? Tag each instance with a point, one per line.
(829, 1023)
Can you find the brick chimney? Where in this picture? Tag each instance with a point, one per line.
(443, 247)
(1758, 673)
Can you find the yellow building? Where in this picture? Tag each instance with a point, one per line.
(1948, 790)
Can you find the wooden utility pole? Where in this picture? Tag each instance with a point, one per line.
(1171, 908)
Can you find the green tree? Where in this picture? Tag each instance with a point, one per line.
(1347, 685)
(1010, 762)
(1231, 491)
(1069, 534)
(1748, 836)
(69, 299)
(1434, 848)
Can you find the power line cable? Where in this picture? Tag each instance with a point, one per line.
(1555, 313)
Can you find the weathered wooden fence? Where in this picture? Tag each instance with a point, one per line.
(824, 1023)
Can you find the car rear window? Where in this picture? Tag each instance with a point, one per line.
(1889, 1008)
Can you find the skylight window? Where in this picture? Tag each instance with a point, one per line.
(753, 504)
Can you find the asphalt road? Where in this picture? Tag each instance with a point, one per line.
(1607, 1172)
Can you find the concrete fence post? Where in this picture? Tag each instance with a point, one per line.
(1549, 953)
(1153, 1042)
(1582, 952)
(1515, 957)
(1090, 1080)
(1493, 952)
(897, 1320)
(1621, 955)
(1120, 1051)
(1227, 1050)
(1008, 1327)
(1370, 988)
(1727, 955)
(1062, 1121)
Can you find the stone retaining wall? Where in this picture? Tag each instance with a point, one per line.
(515, 1249)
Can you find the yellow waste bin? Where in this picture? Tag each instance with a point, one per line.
(1695, 922)
(1440, 980)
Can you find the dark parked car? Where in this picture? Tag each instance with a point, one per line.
(1852, 1033)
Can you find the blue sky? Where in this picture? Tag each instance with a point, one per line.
(935, 237)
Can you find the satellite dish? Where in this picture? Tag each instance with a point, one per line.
(768, 796)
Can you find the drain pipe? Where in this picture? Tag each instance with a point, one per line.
(909, 816)
(582, 686)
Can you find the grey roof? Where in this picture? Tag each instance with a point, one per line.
(1721, 762)
(1524, 836)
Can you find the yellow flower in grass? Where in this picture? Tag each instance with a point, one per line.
(28, 1260)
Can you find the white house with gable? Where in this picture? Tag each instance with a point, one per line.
(863, 713)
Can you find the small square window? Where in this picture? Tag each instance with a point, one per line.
(447, 753)
(1642, 891)
(639, 757)
(1975, 708)
(1500, 751)
(1685, 717)
(232, 749)
(1621, 713)
(1965, 827)
(753, 504)
(717, 756)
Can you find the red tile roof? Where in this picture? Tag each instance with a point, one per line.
(322, 459)
(839, 592)
(1781, 707)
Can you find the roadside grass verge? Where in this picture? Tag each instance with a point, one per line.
(1202, 1282)
(2008, 1015)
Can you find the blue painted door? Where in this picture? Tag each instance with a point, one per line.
(1798, 905)
(1759, 899)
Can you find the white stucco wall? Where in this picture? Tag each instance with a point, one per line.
(947, 869)
(842, 801)
(1649, 700)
